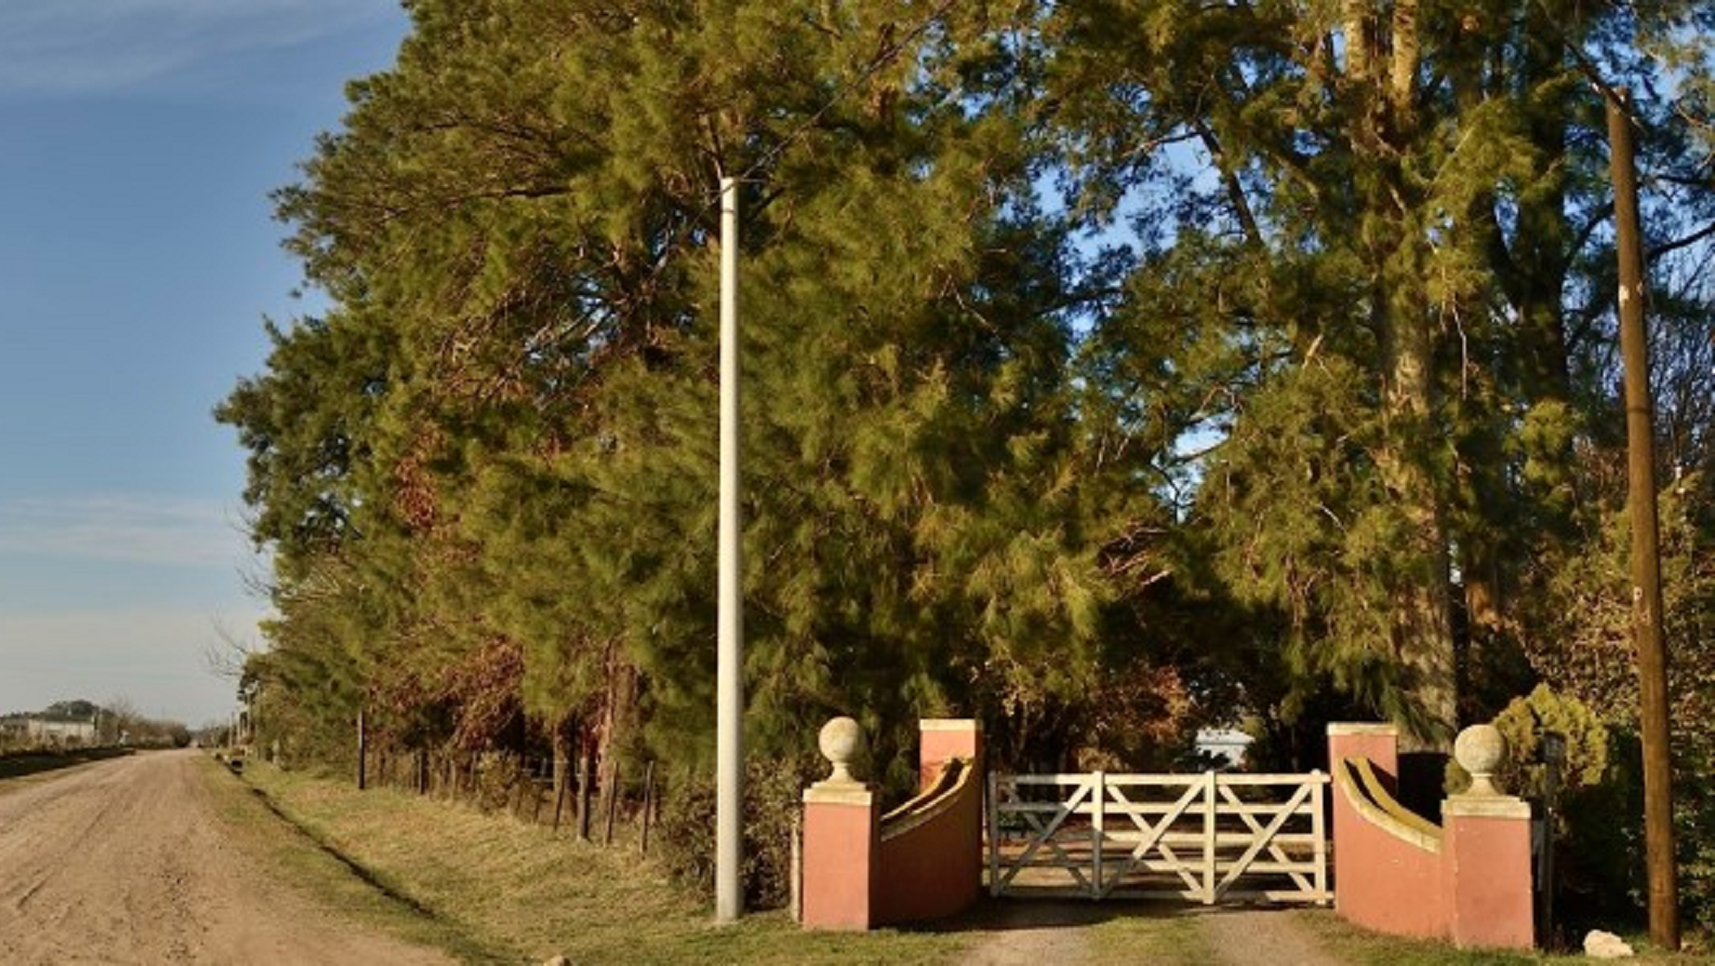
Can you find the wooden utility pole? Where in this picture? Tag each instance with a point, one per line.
(1646, 552)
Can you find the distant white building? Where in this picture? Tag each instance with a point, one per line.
(43, 731)
(1228, 744)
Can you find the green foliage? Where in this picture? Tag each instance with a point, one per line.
(488, 474)
(1356, 247)
(74, 710)
(1598, 835)
(1238, 360)
(773, 796)
(1586, 651)
(1524, 724)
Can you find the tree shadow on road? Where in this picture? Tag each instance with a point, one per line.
(30, 763)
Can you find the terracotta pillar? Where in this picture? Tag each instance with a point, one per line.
(960, 876)
(1377, 742)
(841, 839)
(1354, 864)
(943, 739)
(1486, 848)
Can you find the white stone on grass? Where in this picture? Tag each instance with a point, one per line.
(1606, 945)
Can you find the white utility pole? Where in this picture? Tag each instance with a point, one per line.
(729, 676)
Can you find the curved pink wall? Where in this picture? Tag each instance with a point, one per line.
(922, 861)
(1468, 879)
(1381, 881)
(931, 859)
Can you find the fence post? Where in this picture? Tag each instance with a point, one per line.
(1319, 834)
(1553, 757)
(584, 794)
(362, 753)
(795, 873)
(612, 794)
(559, 803)
(1209, 831)
(1097, 834)
(649, 806)
(994, 833)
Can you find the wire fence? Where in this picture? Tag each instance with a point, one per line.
(525, 787)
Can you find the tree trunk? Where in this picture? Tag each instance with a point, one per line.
(362, 753)
(1357, 24)
(1383, 72)
(562, 762)
(1422, 624)
(1421, 595)
(586, 766)
(1479, 657)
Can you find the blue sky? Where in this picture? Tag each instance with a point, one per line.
(138, 255)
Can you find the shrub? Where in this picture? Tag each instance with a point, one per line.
(773, 796)
(1597, 833)
(1523, 724)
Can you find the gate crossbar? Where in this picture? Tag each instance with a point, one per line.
(1209, 834)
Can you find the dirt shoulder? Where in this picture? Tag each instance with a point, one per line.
(127, 861)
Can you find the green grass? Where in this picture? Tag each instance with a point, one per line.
(1361, 947)
(1151, 935)
(286, 852)
(489, 888)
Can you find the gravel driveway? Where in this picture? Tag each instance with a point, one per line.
(1055, 933)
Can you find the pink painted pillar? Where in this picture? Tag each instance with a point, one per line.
(1355, 867)
(1377, 742)
(841, 842)
(1388, 872)
(943, 739)
(1486, 848)
(939, 740)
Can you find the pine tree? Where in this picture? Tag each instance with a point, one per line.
(520, 217)
(1359, 225)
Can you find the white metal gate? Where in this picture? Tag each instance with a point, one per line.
(1203, 837)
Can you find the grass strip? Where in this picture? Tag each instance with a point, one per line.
(1361, 947)
(518, 892)
(293, 854)
(1150, 932)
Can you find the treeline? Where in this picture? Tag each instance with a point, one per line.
(82, 724)
(1110, 369)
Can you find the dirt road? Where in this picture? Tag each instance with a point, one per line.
(126, 861)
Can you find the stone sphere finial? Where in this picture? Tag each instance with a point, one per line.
(841, 740)
(1479, 749)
